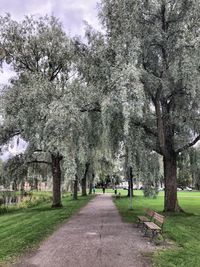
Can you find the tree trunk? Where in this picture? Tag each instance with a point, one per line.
(166, 141)
(84, 180)
(22, 187)
(91, 184)
(90, 187)
(14, 185)
(170, 201)
(75, 189)
(130, 181)
(56, 172)
(84, 186)
(36, 184)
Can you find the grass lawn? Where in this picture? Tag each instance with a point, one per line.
(23, 228)
(184, 229)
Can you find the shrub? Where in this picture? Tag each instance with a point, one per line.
(150, 191)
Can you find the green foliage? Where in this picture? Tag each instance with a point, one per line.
(189, 168)
(1, 172)
(149, 190)
(15, 170)
(11, 200)
(6, 197)
(38, 100)
(156, 36)
(36, 45)
(151, 174)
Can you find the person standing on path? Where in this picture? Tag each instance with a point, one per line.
(104, 189)
(94, 189)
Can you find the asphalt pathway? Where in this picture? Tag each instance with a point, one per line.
(95, 237)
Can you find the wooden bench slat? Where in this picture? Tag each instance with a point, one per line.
(152, 226)
(159, 218)
(149, 212)
(143, 218)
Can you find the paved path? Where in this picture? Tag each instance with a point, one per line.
(95, 237)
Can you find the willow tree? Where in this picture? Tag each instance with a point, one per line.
(161, 39)
(189, 168)
(41, 54)
(92, 134)
(91, 68)
(195, 167)
(15, 172)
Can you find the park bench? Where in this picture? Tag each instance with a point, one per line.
(145, 218)
(155, 226)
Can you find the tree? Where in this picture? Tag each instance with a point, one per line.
(189, 168)
(195, 167)
(1, 173)
(41, 54)
(161, 40)
(15, 171)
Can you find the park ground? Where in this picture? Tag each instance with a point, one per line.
(22, 229)
(182, 229)
(95, 237)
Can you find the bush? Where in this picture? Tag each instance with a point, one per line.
(3, 210)
(1, 201)
(150, 191)
(33, 201)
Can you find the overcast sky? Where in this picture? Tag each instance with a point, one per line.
(72, 13)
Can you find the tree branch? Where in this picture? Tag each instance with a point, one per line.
(39, 161)
(155, 147)
(188, 145)
(7, 134)
(145, 128)
(90, 108)
(55, 72)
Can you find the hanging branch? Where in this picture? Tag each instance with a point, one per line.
(188, 145)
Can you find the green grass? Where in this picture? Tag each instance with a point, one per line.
(23, 229)
(183, 229)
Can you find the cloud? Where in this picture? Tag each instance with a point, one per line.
(73, 13)
(19, 8)
(70, 12)
(6, 74)
(15, 147)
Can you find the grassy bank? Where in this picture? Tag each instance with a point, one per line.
(184, 229)
(21, 229)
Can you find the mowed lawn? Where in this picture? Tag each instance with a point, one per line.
(22, 229)
(184, 229)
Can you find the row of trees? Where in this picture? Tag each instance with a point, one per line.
(123, 93)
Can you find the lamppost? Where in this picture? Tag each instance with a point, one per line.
(130, 196)
(131, 187)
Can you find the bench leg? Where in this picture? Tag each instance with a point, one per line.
(145, 231)
(143, 227)
(154, 234)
